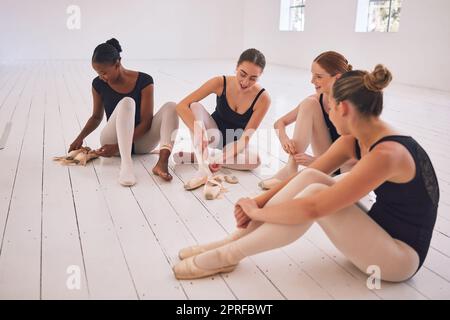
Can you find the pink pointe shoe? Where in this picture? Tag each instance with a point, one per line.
(190, 252)
(213, 188)
(269, 183)
(188, 270)
(195, 183)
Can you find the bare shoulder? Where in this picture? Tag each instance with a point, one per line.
(265, 97)
(391, 151)
(313, 99)
(264, 101)
(216, 84)
(213, 85)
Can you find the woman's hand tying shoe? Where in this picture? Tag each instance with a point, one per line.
(304, 159)
(76, 145)
(288, 145)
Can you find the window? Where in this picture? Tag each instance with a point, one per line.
(378, 15)
(292, 15)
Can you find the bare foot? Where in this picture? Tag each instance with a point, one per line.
(162, 169)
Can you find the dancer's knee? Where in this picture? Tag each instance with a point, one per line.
(313, 175)
(170, 108)
(309, 108)
(127, 104)
(312, 189)
(197, 109)
(195, 106)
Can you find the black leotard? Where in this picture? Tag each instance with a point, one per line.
(230, 121)
(407, 211)
(110, 97)
(331, 128)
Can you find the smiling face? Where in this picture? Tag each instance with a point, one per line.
(247, 75)
(321, 80)
(107, 72)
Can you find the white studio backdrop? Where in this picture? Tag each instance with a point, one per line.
(212, 29)
(418, 54)
(147, 29)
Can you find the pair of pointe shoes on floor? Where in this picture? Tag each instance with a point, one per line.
(186, 269)
(212, 185)
(78, 157)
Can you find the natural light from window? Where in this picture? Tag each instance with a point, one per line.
(378, 15)
(292, 15)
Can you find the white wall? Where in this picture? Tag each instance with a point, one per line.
(147, 29)
(197, 29)
(418, 54)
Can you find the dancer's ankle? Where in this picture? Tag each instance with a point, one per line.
(126, 175)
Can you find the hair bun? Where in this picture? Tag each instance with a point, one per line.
(115, 43)
(378, 79)
(349, 68)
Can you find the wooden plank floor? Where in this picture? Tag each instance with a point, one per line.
(58, 224)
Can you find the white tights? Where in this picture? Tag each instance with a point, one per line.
(120, 130)
(310, 128)
(351, 230)
(245, 160)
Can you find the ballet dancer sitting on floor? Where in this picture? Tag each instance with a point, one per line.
(241, 106)
(126, 97)
(394, 234)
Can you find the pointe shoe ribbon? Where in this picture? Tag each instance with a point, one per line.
(77, 157)
(213, 184)
(213, 188)
(188, 270)
(227, 178)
